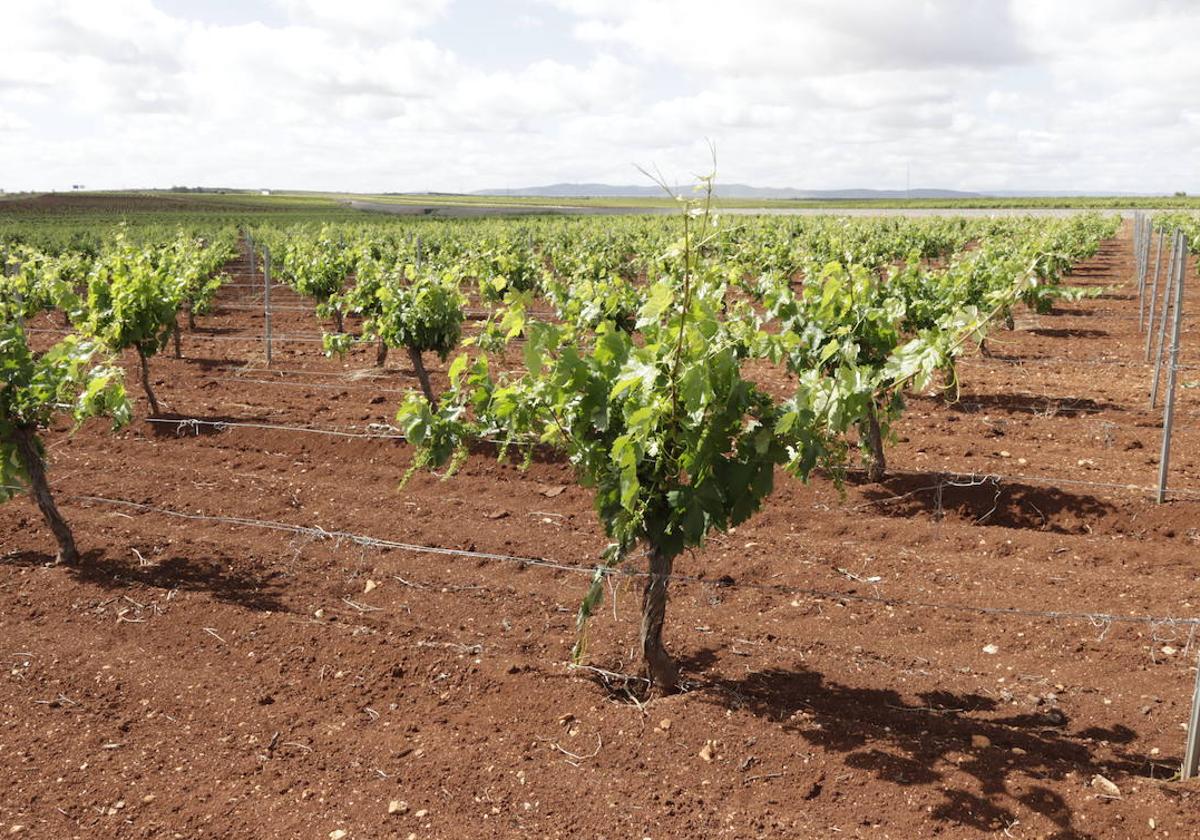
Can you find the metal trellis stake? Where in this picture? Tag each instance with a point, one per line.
(1154, 298)
(1157, 269)
(1172, 276)
(250, 245)
(1139, 248)
(267, 302)
(1191, 754)
(1173, 365)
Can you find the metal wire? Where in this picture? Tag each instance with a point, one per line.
(317, 532)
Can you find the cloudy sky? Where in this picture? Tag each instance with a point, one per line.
(375, 95)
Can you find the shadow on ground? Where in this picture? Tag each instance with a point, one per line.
(984, 500)
(251, 589)
(935, 740)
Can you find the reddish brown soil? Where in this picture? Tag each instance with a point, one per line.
(206, 679)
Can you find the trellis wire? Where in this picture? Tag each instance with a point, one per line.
(193, 424)
(319, 533)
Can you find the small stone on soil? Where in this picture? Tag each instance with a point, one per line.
(1105, 786)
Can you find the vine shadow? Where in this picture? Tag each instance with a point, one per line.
(930, 741)
(1026, 403)
(1075, 332)
(985, 500)
(248, 589)
(244, 588)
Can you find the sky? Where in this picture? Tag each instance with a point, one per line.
(459, 95)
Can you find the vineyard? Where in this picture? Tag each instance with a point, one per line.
(672, 525)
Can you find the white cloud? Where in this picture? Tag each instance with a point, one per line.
(373, 94)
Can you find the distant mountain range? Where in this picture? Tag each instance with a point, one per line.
(747, 191)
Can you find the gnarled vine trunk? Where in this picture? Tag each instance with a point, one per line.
(660, 667)
(145, 365)
(339, 323)
(30, 454)
(381, 354)
(191, 317)
(422, 374)
(175, 340)
(876, 461)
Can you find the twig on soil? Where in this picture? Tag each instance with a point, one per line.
(762, 776)
(210, 631)
(362, 608)
(927, 709)
(459, 646)
(575, 756)
(270, 747)
(607, 675)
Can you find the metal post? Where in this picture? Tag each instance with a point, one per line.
(1191, 753)
(267, 302)
(250, 245)
(1173, 280)
(1137, 256)
(1154, 298)
(1157, 268)
(1169, 402)
(1144, 266)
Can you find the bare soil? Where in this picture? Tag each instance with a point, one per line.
(200, 678)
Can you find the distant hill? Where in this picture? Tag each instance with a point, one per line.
(722, 191)
(747, 191)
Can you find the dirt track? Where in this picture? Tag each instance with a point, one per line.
(206, 679)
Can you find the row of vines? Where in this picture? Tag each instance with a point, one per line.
(642, 342)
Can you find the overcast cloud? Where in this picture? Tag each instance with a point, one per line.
(396, 95)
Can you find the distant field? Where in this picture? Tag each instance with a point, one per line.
(1094, 203)
(141, 205)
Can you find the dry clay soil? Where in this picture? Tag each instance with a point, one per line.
(202, 678)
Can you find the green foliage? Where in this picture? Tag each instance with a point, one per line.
(422, 313)
(673, 439)
(425, 314)
(315, 267)
(34, 387)
(131, 299)
(192, 264)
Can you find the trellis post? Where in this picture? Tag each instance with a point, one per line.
(267, 302)
(1172, 366)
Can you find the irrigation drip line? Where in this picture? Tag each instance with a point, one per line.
(193, 424)
(316, 532)
(274, 308)
(329, 385)
(375, 431)
(386, 432)
(200, 336)
(976, 478)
